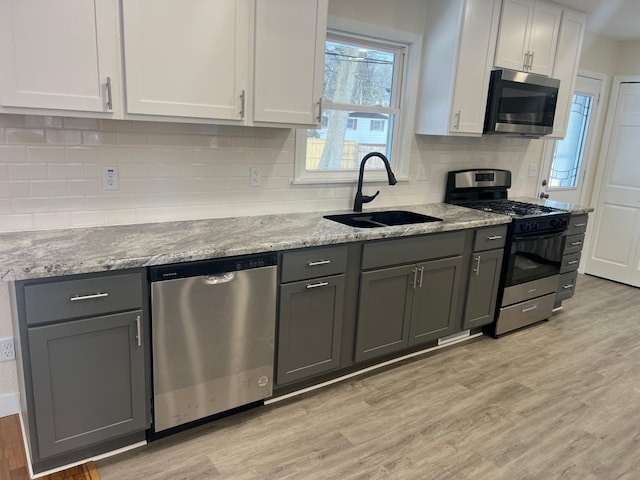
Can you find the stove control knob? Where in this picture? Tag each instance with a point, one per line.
(525, 227)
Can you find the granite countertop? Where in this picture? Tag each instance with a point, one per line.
(49, 253)
(573, 208)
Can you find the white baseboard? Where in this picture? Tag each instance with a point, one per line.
(9, 404)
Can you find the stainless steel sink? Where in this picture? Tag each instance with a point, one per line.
(381, 219)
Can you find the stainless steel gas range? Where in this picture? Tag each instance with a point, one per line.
(533, 251)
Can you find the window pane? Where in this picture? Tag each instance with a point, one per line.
(345, 138)
(357, 76)
(567, 156)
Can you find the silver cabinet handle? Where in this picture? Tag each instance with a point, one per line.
(531, 60)
(77, 298)
(109, 97)
(494, 237)
(319, 262)
(525, 64)
(456, 126)
(319, 118)
(477, 269)
(530, 308)
(575, 244)
(572, 262)
(579, 224)
(415, 277)
(566, 287)
(242, 97)
(316, 285)
(421, 276)
(138, 331)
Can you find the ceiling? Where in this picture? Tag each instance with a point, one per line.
(616, 19)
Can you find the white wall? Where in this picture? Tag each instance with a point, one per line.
(629, 58)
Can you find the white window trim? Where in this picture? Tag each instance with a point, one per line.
(408, 89)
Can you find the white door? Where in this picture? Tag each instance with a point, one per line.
(186, 61)
(615, 250)
(61, 55)
(568, 164)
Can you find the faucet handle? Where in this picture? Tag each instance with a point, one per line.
(369, 198)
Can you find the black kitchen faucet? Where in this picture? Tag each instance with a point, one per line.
(360, 198)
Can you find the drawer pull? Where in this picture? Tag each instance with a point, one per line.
(579, 224)
(421, 277)
(76, 298)
(567, 287)
(477, 269)
(575, 244)
(316, 285)
(530, 308)
(138, 332)
(572, 262)
(494, 237)
(319, 262)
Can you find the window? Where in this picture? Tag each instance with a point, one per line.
(377, 125)
(567, 155)
(363, 86)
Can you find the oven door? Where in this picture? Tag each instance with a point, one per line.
(533, 257)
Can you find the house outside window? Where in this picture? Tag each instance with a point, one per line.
(377, 125)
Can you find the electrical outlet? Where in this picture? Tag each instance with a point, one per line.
(7, 350)
(255, 176)
(110, 178)
(533, 170)
(422, 172)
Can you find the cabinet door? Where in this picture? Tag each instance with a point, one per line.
(513, 37)
(544, 37)
(475, 56)
(482, 289)
(384, 311)
(186, 62)
(289, 60)
(60, 55)
(434, 311)
(310, 328)
(88, 381)
(565, 67)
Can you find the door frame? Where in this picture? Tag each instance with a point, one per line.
(592, 158)
(618, 80)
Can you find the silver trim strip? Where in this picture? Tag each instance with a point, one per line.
(532, 78)
(528, 290)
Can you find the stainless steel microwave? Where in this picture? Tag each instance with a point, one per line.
(520, 103)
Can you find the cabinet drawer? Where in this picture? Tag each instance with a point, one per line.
(490, 238)
(570, 262)
(51, 301)
(577, 224)
(413, 249)
(567, 286)
(313, 262)
(573, 243)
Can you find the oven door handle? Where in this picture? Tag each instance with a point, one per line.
(528, 238)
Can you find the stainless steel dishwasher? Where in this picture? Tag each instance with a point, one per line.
(213, 329)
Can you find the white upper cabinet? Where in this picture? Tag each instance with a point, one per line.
(457, 57)
(528, 36)
(565, 68)
(289, 44)
(60, 56)
(186, 59)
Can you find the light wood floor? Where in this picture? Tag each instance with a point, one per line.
(557, 401)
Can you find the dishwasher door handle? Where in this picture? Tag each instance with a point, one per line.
(219, 278)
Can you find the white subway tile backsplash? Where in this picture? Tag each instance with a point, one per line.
(2, 141)
(173, 171)
(13, 154)
(28, 171)
(22, 136)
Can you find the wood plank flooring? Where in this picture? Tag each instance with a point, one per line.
(560, 400)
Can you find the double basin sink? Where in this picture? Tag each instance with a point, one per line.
(385, 218)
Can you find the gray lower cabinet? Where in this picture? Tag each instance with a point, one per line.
(572, 251)
(482, 288)
(88, 381)
(85, 363)
(311, 303)
(406, 305)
